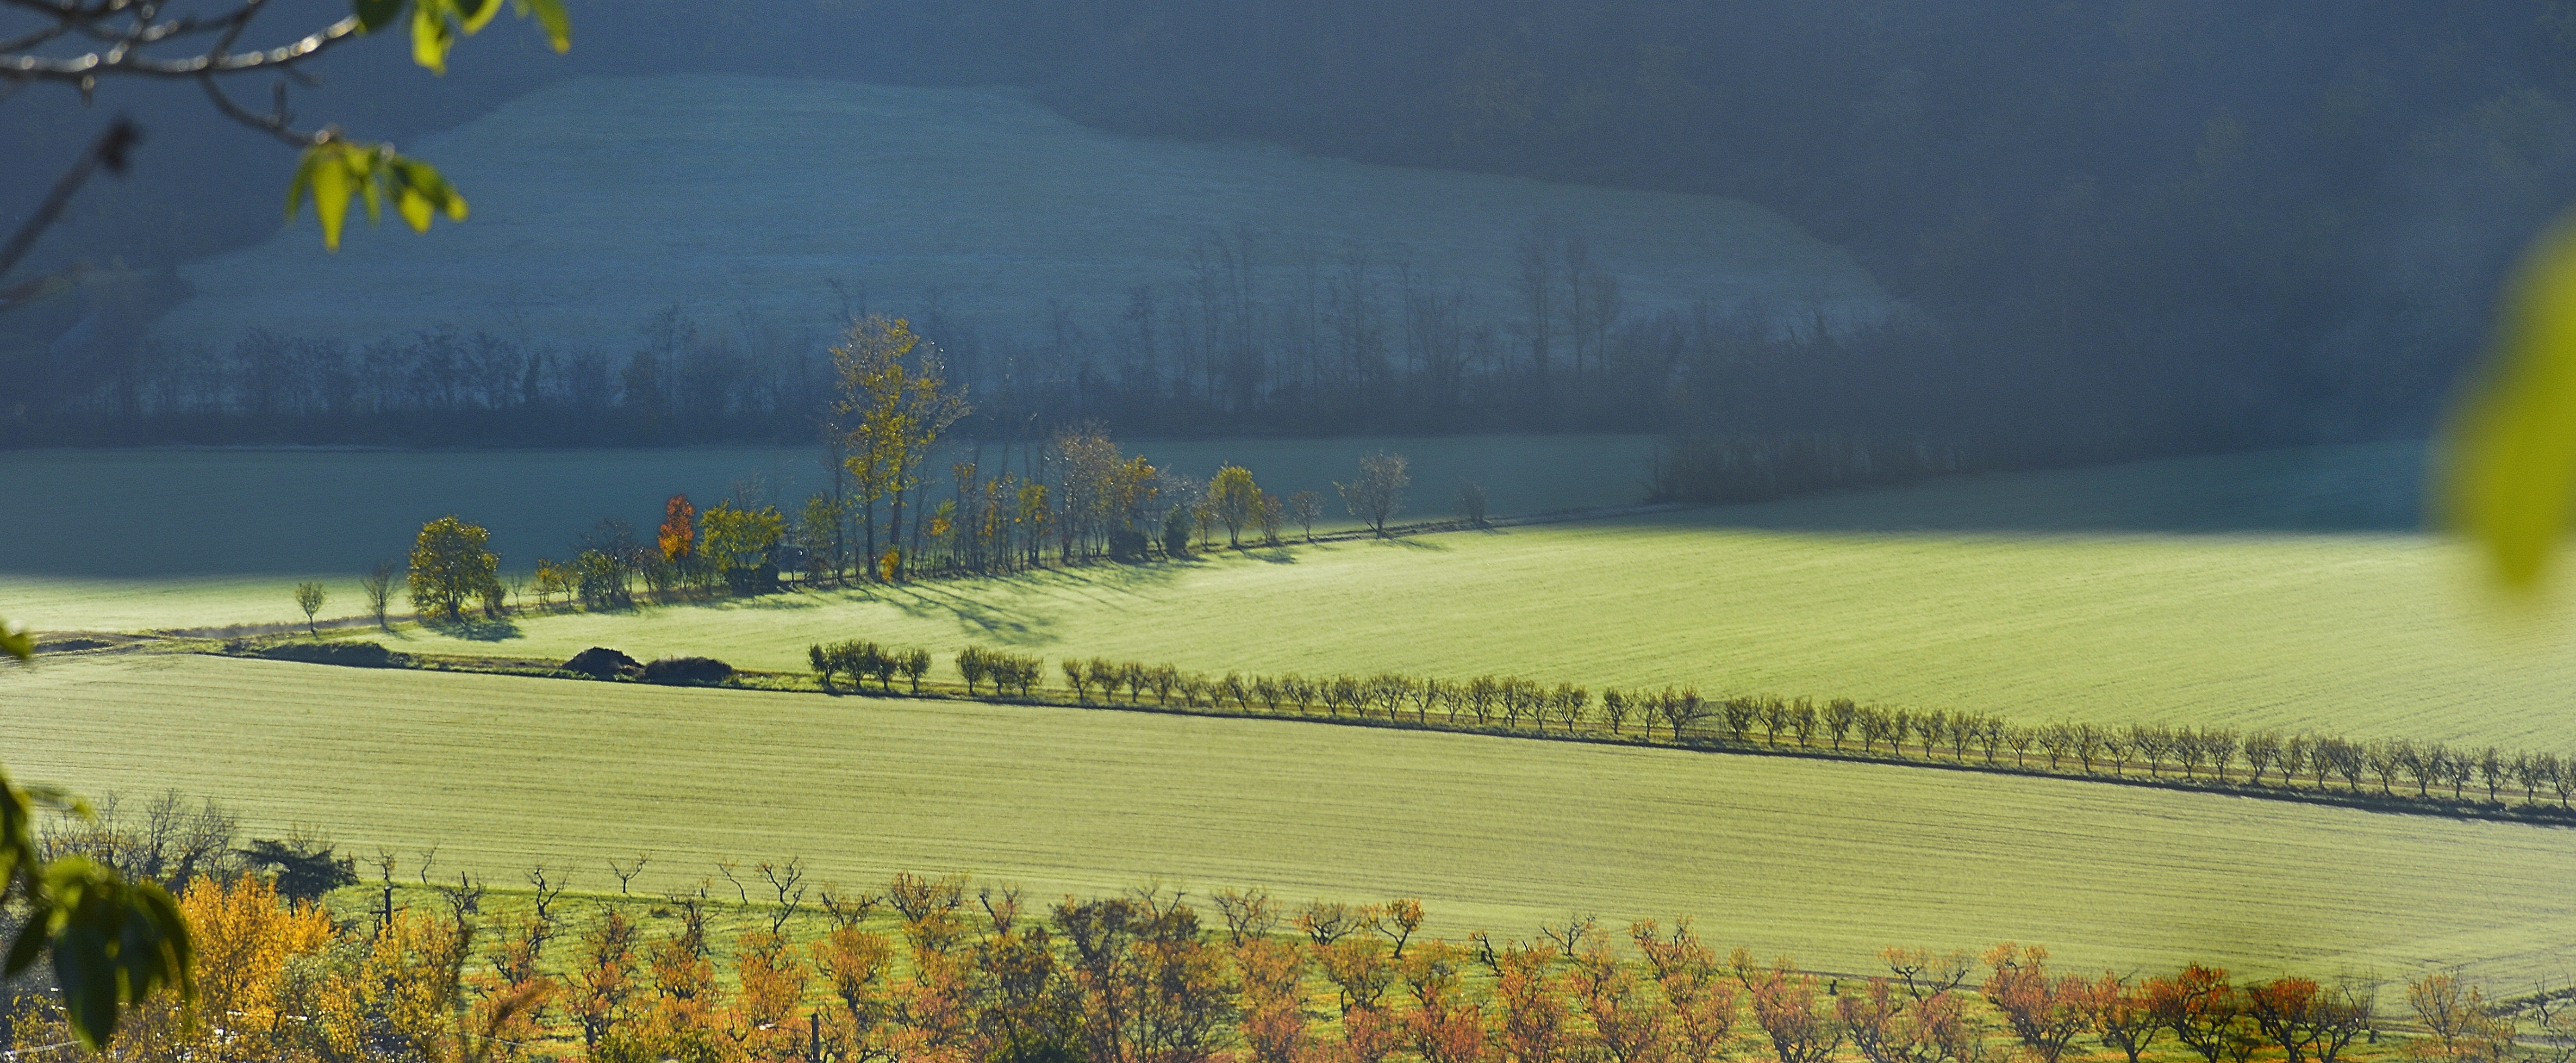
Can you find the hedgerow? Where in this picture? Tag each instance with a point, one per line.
(2264, 762)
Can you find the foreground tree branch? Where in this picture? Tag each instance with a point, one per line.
(109, 150)
(78, 42)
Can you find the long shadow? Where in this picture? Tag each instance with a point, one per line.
(476, 630)
(931, 600)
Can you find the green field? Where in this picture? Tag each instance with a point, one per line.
(1826, 861)
(735, 196)
(2103, 594)
(2280, 589)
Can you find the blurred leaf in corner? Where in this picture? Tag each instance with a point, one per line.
(2510, 481)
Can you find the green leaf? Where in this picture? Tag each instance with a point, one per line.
(30, 944)
(87, 975)
(2511, 482)
(114, 943)
(369, 192)
(419, 191)
(550, 15)
(17, 837)
(332, 186)
(374, 15)
(476, 14)
(431, 35)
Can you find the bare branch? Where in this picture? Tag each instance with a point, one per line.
(125, 56)
(275, 123)
(108, 150)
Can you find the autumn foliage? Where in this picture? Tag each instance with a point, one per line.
(926, 970)
(678, 536)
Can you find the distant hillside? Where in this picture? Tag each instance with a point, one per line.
(599, 201)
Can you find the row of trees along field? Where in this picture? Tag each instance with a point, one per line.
(2251, 762)
(924, 969)
(1081, 498)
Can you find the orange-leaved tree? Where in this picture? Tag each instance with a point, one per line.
(2201, 1008)
(2124, 1014)
(679, 534)
(1686, 969)
(2045, 1013)
(1784, 1005)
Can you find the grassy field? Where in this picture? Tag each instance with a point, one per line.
(2083, 594)
(158, 539)
(2279, 589)
(726, 195)
(1828, 862)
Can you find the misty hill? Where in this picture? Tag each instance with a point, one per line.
(601, 200)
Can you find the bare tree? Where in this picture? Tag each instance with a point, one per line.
(1378, 492)
(787, 880)
(1471, 502)
(1304, 507)
(379, 585)
(1534, 258)
(626, 872)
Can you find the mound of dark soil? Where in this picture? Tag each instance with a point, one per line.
(351, 654)
(600, 662)
(687, 670)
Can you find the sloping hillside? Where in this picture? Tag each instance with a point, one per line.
(598, 201)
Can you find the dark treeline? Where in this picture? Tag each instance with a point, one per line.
(1358, 342)
(2189, 225)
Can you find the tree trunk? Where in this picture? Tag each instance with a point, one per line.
(868, 567)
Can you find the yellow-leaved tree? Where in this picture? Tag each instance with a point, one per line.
(450, 567)
(1236, 500)
(894, 402)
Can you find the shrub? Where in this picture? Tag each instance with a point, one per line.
(971, 665)
(600, 662)
(350, 654)
(688, 671)
(915, 664)
(1007, 671)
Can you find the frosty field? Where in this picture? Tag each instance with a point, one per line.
(1827, 862)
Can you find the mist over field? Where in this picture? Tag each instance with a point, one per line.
(1287, 531)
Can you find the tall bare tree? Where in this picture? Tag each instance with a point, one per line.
(1535, 261)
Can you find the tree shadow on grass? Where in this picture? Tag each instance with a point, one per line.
(932, 601)
(476, 629)
(773, 601)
